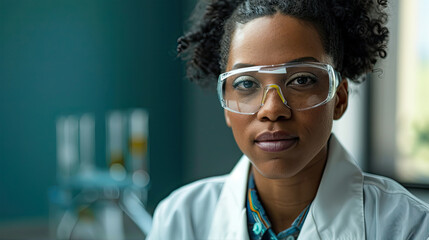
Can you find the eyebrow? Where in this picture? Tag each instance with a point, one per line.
(302, 59)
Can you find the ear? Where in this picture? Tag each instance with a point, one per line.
(341, 99)
(226, 113)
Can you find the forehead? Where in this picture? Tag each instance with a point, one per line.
(273, 40)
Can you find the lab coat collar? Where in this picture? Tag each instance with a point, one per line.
(230, 219)
(337, 211)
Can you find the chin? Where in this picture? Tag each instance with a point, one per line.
(276, 169)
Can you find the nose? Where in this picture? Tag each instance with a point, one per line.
(273, 105)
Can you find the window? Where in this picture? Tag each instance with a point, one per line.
(412, 115)
(400, 97)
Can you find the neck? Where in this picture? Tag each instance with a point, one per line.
(284, 199)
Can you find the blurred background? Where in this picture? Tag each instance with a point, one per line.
(69, 59)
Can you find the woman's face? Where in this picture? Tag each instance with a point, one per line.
(279, 141)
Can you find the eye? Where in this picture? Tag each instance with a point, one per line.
(245, 83)
(302, 80)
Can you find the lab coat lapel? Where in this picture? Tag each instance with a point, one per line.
(230, 221)
(337, 212)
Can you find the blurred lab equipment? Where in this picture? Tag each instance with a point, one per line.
(93, 202)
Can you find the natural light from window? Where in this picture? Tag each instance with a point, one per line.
(413, 92)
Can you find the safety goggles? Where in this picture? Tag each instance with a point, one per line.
(300, 86)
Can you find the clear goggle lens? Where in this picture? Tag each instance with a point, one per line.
(300, 86)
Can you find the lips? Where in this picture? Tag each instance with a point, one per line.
(275, 141)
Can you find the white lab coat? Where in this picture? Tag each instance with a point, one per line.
(349, 204)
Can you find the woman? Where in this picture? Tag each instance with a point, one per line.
(283, 68)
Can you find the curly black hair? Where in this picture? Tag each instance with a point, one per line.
(353, 33)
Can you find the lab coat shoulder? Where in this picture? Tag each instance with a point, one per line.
(391, 212)
(187, 212)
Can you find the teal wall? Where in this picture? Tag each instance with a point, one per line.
(76, 56)
(209, 147)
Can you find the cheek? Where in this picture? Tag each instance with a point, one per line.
(240, 128)
(317, 121)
